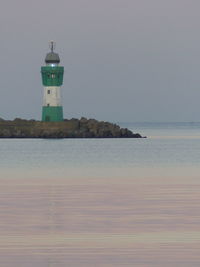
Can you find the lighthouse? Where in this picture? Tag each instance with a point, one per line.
(52, 79)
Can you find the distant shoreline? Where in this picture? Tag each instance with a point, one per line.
(72, 128)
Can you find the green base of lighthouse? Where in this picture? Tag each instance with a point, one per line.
(52, 113)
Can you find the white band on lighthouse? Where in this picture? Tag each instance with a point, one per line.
(52, 96)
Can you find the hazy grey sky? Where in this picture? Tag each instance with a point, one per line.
(125, 60)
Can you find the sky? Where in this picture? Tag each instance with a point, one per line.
(125, 60)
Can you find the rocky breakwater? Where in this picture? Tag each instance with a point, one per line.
(73, 128)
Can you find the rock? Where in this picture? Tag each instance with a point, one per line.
(69, 128)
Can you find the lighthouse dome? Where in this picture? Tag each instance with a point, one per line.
(52, 58)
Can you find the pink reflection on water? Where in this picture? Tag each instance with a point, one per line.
(140, 219)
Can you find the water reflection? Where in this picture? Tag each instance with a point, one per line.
(99, 222)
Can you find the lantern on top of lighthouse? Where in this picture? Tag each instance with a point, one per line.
(52, 79)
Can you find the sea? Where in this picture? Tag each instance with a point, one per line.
(102, 202)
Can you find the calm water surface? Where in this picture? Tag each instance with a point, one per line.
(102, 202)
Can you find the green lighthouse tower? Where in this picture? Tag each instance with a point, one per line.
(52, 79)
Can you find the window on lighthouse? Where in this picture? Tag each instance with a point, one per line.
(48, 92)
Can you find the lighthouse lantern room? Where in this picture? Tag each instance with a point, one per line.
(52, 79)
